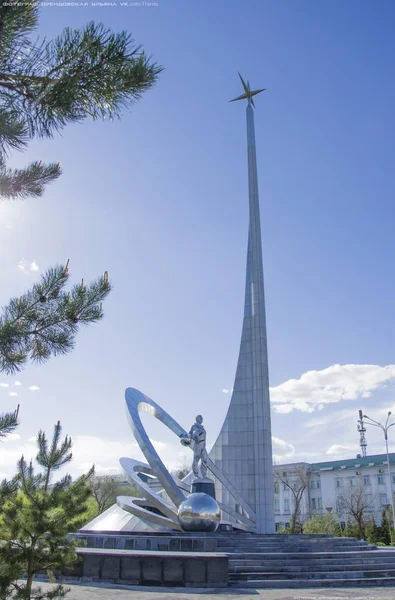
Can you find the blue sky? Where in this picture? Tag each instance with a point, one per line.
(159, 199)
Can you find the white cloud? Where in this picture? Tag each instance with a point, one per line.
(342, 450)
(11, 437)
(283, 408)
(4, 385)
(34, 388)
(225, 391)
(350, 415)
(318, 422)
(105, 453)
(314, 389)
(282, 449)
(25, 267)
(13, 394)
(88, 450)
(100, 470)
(17, 383)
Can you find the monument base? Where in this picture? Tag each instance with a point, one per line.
(204, 486)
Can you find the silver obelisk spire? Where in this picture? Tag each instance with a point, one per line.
(243, 450)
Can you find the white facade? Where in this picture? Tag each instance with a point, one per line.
(328, 481)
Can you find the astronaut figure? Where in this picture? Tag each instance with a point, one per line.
(198, 435)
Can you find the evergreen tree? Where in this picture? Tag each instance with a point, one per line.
(45, 85)
(385, 535)
(44, 321)
(372, 531)
(36, 517)
(326, 523)
(8, 422)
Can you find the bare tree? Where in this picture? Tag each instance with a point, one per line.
(297, 481)
(103, 491)
(106, 488)
(353, 500)
(182, 469)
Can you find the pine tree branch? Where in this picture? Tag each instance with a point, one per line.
(27, 182)
(87, 72)
(8, 422)
(17, 21)
(13, 132)
(45, 321)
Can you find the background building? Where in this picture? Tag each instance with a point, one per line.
(325, 486)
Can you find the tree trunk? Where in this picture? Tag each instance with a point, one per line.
(30, 574)
(360, 530)
(294, 517)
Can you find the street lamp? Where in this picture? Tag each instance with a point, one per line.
(384, 429)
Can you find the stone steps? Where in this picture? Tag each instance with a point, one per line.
(306, 563)
(251, 570)
(339, 574)
(290, 549)
(282, 556)
(316, 583)
(255, 565)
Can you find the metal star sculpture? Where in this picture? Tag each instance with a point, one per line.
(248, 93)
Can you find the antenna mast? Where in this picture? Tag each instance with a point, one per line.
(361, 430)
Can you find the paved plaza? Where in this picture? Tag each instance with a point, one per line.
(103, 592)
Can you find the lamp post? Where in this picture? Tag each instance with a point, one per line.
(385, 429)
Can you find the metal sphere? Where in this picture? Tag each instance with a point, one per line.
(199, 512)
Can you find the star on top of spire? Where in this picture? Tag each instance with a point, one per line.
(248, 93)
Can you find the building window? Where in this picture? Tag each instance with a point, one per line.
(277, 504)
(393, 478)
(339, 482)
(380, 479)
(285, 487)
(278, 526)
(352, 481)
(286, 504)
(318, 485)
(383, 499)
(286, 525)
(366, 480)
(342, 524)
(368, 501)
(319, 503)
(276, 488)
(313, 504)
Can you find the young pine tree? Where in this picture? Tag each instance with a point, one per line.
(36, 514)
(385, 535)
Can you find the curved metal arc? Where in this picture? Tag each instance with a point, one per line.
(137, 401)
(131, 505)
(132, 467)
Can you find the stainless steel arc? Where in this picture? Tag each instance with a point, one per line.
(136, 401)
